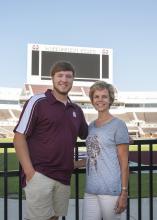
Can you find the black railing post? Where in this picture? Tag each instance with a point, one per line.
(20, 196)
(128, 204)
(151, 182)
(76, 186)
(5, 184)
(139, 182)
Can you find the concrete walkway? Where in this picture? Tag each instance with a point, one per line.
(13, 210)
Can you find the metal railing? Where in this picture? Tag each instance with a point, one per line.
(144, 161)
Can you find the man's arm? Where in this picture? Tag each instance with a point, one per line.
(83, 132)
(22, 153)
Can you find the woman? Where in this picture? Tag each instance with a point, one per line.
(107, 159)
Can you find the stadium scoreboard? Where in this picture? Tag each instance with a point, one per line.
(91, 64)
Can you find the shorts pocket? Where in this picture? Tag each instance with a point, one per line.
(32, 179)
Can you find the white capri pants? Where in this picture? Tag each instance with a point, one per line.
(97, 207)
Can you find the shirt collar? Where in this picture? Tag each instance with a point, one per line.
(53, 100)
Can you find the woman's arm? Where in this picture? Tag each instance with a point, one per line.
(123, 152)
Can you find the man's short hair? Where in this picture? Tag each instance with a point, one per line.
(61, 66)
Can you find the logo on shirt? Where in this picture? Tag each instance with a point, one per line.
(93, 150)
(74, 114)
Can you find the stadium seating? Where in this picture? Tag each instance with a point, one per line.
(141, 121)
(9, 110)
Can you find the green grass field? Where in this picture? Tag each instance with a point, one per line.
(6, 140)
(13, 181)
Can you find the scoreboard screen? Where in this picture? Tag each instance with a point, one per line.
(90, 64)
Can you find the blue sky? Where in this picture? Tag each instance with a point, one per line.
(127, 26)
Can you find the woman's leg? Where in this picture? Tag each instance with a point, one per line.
(91, 209)
(107, 204)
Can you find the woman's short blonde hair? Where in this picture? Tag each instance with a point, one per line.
(100, 85)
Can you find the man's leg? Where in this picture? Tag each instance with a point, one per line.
(39, 198)
(60, 198)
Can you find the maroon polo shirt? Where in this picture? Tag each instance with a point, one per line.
(51, 130)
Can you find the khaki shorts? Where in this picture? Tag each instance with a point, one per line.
(45, 198)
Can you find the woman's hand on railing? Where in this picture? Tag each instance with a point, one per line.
(79, 163)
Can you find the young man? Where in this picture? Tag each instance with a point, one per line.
(44, 141)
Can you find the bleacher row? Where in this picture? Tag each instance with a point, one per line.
(9, 110)
(9, 114)
(76, 90)
(8, 120)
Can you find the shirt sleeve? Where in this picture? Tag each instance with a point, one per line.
(83, 131)
(122, 135)
(28, 118)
